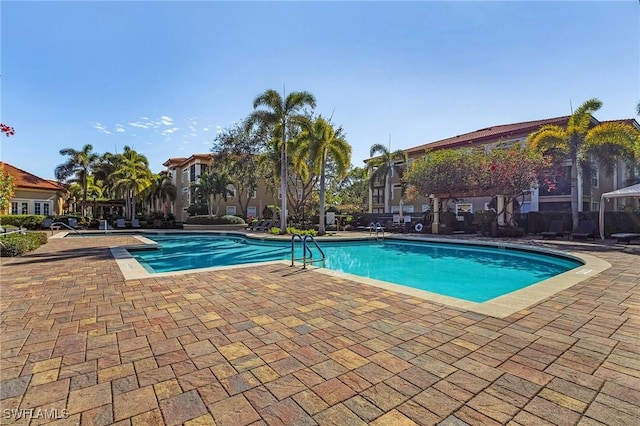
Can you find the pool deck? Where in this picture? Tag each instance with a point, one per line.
(278, 345)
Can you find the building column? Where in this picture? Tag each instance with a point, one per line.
(435, 226)
(535, 200)
(500, 209)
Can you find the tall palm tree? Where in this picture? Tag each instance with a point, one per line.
(321, 142)
(78, 165)
(279, 115)
(381, 168)
(132, 176)
(607, 142)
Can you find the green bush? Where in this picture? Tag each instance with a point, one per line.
(275, 230)
(215, 220)
(28, 221)
(291, 230)
(198, 209)
(18, 244)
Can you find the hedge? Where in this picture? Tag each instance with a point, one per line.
(28, 221)
(215, 220)
(18, 244)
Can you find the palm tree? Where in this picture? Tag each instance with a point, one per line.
(132, 176)
(211, 184)
(381, 168)
(78, 165)
(607, 142)
(160, 190)
(280, 114)
(322, 142)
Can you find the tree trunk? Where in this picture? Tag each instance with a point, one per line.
(321, 225)
(283, 180)
(574, 191)
(388, 190)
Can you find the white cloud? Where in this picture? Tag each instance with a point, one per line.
(166, 120)
(99, 127)
(169, 131)
(140, 125)
(206, 129)
(120, 128)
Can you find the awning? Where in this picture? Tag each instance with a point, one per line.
(629, 191)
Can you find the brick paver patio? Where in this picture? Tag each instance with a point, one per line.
(278, 346)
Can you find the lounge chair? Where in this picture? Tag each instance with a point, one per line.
(255, 226)
(625, 237)
(265, 227)
(586, 230)
(135, 223)
(555, 230)
(120, 223)
(103, 225)
(47, 222)
(73, 223)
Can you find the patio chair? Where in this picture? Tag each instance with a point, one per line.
(586, 230)
(120, 223)
(73, 222)
(555, 230)
(135, 223)
(625, 237)
(265, 227)
(47, 222)
(255, 226)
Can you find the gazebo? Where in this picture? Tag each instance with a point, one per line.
(629, 191)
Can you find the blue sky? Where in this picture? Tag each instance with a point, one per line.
(163, 76)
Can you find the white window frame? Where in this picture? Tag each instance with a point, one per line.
(231, 210)
(232, 190)
(395, 186)
(459, 209)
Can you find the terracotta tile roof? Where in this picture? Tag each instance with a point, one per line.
(504, 131)
(25, 179)
(181, 161)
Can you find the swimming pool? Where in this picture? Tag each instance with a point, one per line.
(474, 273)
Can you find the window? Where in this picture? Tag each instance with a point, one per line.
(595, 178)
(396, 187)
(426, 208)
(185, 176)
(462, 208)
(252, 211)
(595, 206)
(37, 207)
(378, 195)
(279, 194)
(14, 207)
(232, 191)
(192, 173)
(254, 194)
(203, 168)
(46, 210)
(24, 207)
(231, 210)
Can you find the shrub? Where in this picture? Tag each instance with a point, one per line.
(215, 220)
(18, 244)
(198, 209)
(275, 230)
(28, 221)
(292, 230)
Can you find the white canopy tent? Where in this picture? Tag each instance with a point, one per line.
(629, 191)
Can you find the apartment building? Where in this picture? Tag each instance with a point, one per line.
(184, 174)
(540, 199)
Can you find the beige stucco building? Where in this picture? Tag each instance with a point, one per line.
(184, 174)
(34, 195)
(540, 199)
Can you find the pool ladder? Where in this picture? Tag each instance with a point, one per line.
(377, 228)
(307, 254)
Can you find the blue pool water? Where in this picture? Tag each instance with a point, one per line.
(474, 273)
